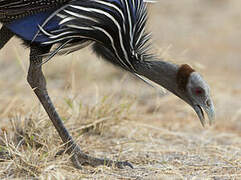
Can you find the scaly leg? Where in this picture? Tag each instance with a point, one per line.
(37, 81)
(5, 36)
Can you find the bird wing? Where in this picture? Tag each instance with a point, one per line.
(14, 9)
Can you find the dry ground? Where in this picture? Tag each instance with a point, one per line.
(111, 114)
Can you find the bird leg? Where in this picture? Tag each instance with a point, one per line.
(37, 81)
(5, 36)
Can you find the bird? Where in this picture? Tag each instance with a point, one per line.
(116, 31)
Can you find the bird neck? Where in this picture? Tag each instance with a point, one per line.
(161, 72)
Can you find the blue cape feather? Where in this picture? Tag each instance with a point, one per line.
(27, 27)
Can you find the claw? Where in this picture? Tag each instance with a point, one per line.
(122, 164)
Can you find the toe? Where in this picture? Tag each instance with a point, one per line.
(123, 164)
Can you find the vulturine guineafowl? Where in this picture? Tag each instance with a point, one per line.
(116, 31)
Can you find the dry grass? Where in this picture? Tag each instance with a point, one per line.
(111, 114)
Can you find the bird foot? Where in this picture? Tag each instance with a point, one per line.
(79, 158)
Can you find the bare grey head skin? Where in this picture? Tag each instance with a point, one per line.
(199, 93)
(184, 82)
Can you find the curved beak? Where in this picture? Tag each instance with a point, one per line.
(208, 107)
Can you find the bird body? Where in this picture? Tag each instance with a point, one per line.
(117, 25)
(117, 31)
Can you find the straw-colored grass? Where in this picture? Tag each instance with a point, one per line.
(111, 114)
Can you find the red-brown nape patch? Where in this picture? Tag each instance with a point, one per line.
(182, 76)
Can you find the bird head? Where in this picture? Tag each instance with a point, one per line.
(194, 90)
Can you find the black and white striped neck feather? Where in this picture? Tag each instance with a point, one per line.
(117, 25)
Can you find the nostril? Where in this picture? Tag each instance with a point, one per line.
(208, 102)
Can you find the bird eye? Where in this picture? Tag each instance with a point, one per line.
(198, 91)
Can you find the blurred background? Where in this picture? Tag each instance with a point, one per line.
(161, 135)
